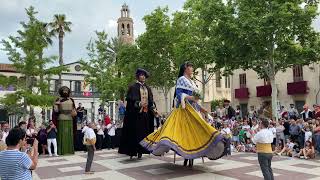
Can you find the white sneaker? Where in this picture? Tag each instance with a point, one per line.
(50, 155)
(56, 155)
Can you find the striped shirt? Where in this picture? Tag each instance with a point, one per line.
(15, 165)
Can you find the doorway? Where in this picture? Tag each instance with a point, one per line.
(299, 105)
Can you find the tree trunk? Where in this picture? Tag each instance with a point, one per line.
(60, 57)
(274, 96)
(203, 85)
(165, 92)
(42, 90)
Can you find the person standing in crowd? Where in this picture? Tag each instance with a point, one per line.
(5, 131)
(23, 125)
(221, 113)
(16, 165)
(111, 134)
(294, 131)
(238, 113)
(100, 134)
(306, 113)
(252, 113)
(286, 132)
(280, 134)
(101, 111)
(80, 113)
(3, 145)
(230, 112)
(31, 133)
(122, 111)
(226, 132)
(65, 108)
(293, 112)
(42, 136)
(139, 117)
(263, 140)
(89, 141)
(316, 132)
(52, 138)
(107, 119)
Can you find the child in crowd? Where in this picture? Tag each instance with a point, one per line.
(241, 147)
(89, 141)
(307, 134)
(111, 134)
(288, 148)
(235, 133)
(307, 152)
(249, 147)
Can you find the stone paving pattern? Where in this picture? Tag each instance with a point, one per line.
(108, 164)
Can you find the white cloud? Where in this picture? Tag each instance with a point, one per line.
(112, 23)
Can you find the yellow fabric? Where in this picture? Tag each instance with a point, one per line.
(89, 141)
(264, 148)
(186, 129)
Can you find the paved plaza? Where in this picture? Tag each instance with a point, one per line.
(108, 164)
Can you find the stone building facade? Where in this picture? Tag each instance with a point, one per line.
(298, 85)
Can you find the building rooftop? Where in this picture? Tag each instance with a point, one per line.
(7, 68)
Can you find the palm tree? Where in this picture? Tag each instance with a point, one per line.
(59, 26)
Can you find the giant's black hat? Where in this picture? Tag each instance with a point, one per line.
(142, 71)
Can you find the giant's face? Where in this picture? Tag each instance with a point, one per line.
(64, 92)
(141, 78)
(189, 70)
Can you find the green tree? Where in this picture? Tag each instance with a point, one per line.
(270, 36)
(196, 39)
(59, 26)
(156, 47)
(25, 51)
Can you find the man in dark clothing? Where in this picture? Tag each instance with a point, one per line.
(230, 111)
(294, 131)
(139, 117)
(80, 112)
(52, 138)
(306, 113)
(286, 132)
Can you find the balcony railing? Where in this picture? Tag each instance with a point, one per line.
(299, 87)
(80, 94)
(242, 93)
(264, 91)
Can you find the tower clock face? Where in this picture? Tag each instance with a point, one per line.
(77, 68)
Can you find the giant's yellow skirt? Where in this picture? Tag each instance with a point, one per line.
(188, 134)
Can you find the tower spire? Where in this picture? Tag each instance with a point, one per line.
(125, 25)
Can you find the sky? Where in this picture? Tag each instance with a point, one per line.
(86, 17)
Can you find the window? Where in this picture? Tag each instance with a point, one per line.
(128, 29)
(77, 86)
(122, 29)
(243, 80)
(227, 82)
(297, 73)
(218, 79)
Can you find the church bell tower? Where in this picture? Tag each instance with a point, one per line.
(125, 26)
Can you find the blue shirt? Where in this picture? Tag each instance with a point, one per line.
(122, 110)
(15, 165)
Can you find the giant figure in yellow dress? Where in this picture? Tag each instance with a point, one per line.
(185, 131)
